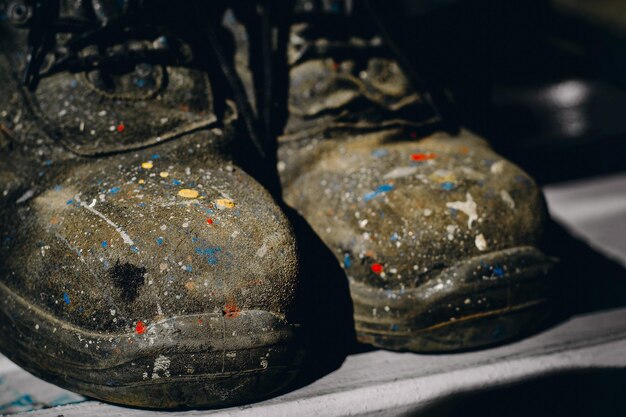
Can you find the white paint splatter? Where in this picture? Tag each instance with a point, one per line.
(497, 167)
(508, 200)
(117, 228)
(451, 228)
(262, 251)
(26, 196)
(480, 242)
(400, 172)
(468, 207)
(161, 364)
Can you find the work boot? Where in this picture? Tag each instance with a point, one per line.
(139, 263)
(437, 233)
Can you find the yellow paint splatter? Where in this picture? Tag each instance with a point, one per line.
(442, 176)
(147, 165)
(224, 203)
(164, 174)
(187, 193)
(142, 181)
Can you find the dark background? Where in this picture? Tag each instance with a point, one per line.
(546, 86)
(543, 84)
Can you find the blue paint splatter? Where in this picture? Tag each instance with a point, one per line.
(66, 298)
(498, 271)
(379, 153)
(176, 182)
(395, 237)
(114, 190)
(188, 268)
(210, 253)
(378, 191)
(64, 399)
(448, 186)
(141, 204)
(134, 249)
(68, 202)
(47, 162)
(58, 188)
(347, 262)
(105, 244)
(22, 401)
(155, 156)
(394, 327)
(159, 241)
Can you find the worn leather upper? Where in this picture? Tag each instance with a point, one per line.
(394, 204)
(126, 204)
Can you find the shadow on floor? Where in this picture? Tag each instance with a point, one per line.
(326, 306)
(585, 280)
(584, 393)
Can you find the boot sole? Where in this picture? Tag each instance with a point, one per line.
(200, 360)
(482, 301)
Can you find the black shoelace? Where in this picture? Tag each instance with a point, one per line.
(186, 33)
(158, 23)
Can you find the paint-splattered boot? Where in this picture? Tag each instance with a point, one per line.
(139, 263)
(437, 233)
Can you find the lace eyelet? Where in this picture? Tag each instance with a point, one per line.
(20, 12)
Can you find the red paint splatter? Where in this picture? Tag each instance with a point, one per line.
(121, 127)
(200, 321)
(209, 221)
(419, 157)
(231, 310)
(377, 268)
(140, 328)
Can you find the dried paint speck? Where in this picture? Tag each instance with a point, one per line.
(187, 193)
(224, 203)
(140, 328)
